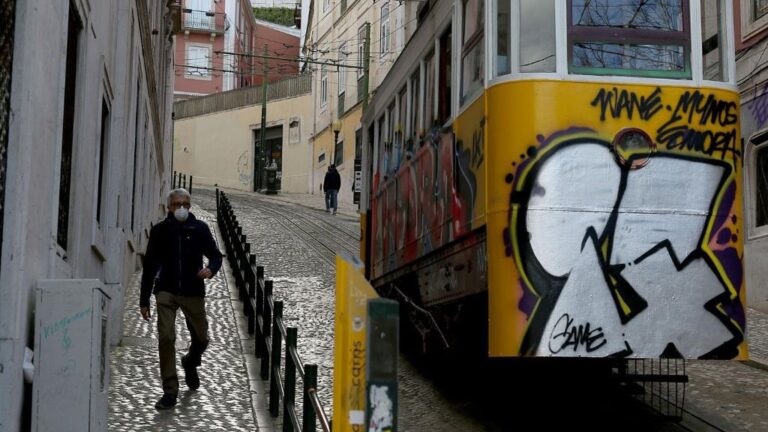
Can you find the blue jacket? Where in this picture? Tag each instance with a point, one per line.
(175, 256)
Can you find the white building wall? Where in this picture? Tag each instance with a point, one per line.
(109, 63)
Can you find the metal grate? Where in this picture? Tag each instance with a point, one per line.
(7, 15)
(658, 383)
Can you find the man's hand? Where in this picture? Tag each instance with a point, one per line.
(205, 273)
(145, 313)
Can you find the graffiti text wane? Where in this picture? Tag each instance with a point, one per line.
(566, 335)
(622, 102)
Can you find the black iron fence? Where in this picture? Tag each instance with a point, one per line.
(265, 322)
(180, 181)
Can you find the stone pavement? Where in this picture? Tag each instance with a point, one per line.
(229, 398)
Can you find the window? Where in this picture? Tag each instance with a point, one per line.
(712, 43)
(760, 8)
(502, 37)
(338, 153)
(342, 68)
(198, 62)
(323, 85)
(360, 51)
(135, 149)
(102, 159)
(326, 5)
(472, 64)
(429, 95)
(74, 28)
(537, 36)
(761, 186)
(321, 157)
(616, 37)
(444, 86)
(415, 108)
(384, 29)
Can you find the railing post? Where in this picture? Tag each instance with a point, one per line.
(267, 321)
(277, 341)
(173, 184)
(289, 399)
(190, 184)
(251, 293)
(245, 269)
(310, 383)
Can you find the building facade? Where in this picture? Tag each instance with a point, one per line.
(212, 46)
(216, 138)
(752, 77)
(85, 149)
(282, 45)
(335, 41)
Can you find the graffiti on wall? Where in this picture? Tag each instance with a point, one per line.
(244, 170)
(618, 261)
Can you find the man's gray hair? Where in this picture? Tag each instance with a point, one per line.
(177, 192)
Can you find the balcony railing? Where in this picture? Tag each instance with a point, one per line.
(204, 21)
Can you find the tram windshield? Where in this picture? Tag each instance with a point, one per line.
(629, 37)
(645, 38)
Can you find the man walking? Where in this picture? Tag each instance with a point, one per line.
(331, 186)
(174, 263)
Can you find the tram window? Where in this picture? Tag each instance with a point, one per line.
(616, 37)
(444, 85)
(537, 36)
(472, 64)
(429, 95)
(761, 189)
(712, 41)
(414, 112)
(502, 37)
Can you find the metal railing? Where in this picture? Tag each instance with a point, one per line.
(265, 321)
(247, 96)
(180, 181)
(205, 21)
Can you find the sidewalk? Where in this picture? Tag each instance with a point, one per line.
(229, 398)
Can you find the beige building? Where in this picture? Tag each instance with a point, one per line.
(336, 36)
(216, 137)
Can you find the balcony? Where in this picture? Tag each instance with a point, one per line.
(197, 21)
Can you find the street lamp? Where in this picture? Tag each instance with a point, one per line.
(336, 126)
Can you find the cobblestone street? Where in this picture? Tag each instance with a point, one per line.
(295, 240)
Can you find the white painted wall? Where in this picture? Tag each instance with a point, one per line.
(108, 66)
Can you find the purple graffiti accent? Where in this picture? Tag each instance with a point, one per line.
(721, 216)
(528, 301)
(732, 264)
(759, 107)
(724, 237)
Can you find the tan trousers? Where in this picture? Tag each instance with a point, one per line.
(197, 323)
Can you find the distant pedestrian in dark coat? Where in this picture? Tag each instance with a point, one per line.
(174, 264)
(331, 186)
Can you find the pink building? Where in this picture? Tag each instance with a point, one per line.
(283, 48)
(213, 47)
(216, 45)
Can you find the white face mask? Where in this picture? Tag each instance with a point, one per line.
(181, 214)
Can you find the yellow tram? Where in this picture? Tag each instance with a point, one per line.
(561, 178)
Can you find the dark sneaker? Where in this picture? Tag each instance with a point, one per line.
(168, 401)
(190, 373)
